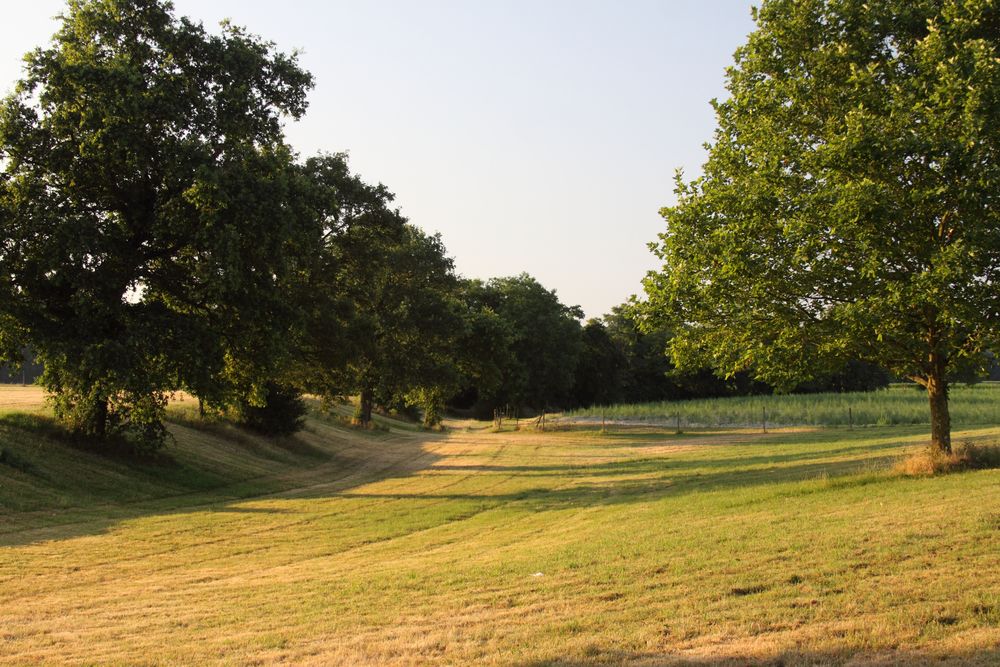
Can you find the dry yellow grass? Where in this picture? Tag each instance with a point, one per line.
(25, 398)
(574, 548)
(963, 456)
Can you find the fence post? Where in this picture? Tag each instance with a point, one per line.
(678, 415)
(850, 418)
(763, 417)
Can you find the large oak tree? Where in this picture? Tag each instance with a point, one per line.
(147, 217)
(849, 204)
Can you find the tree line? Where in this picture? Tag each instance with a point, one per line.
(160, 235)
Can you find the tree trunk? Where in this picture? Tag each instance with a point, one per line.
(937, 393)
(433, 408)
(365, 408)
(101, 418)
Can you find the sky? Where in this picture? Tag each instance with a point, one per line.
(537, 136)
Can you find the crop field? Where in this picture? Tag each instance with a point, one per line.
(393, 546)
(973, 405)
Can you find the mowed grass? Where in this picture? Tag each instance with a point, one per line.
(568, 548)
(971, 405)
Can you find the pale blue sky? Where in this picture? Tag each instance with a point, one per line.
(536, 136)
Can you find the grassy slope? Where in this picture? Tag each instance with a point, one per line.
(511, 548)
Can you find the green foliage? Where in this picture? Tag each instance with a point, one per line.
(846, 207)
(646, 364)
(599, 372)
(432, 401)
(385, 314)
(650, 374)
(281, 412)
(93, 412)
(348, 211)
(852, 376)
(537, 340)
(147, 210)
(483, 346)
(406, 320)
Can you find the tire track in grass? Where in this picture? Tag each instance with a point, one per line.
(450, 522)
(291, 492)
(372, 543)
(476, 443)
(566, 525)
(311, 519)
(406, 464)
(457, 616)
(216, 493)
(365, 468)
(174, 587)
(376, 502)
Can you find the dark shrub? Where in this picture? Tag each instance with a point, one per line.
(283, 412)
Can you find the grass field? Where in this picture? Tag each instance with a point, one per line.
(800, 546)
(974, 405)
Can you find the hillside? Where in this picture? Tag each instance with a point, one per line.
(336, 546)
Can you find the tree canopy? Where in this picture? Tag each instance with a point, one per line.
(145, 209)
(382, 311)
(542, 344)
(848, 203)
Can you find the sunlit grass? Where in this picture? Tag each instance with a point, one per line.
(801, 546)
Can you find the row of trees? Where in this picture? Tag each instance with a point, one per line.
(158, 234)
(624, 359)
(845, 223)
(543, 357)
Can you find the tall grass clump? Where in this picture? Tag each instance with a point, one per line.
(964, 456)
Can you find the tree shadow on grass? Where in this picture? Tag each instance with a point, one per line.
(563, 486)
(315, 464)
(566, 486)
(56, 487)
(655, 486)
(647, 465)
